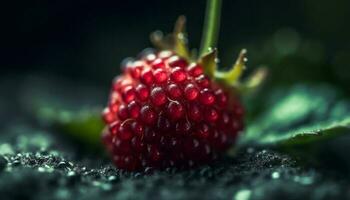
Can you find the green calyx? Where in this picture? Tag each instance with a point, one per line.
(177, 42)
(232, 77)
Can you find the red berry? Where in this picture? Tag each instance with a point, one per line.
(203, 81)
(123, 112)
(221, 98)
(154, 153)
(195, 70)
(122, 147)
(150, 58)
(175, 110)
(158, 63)
(142, 92)
(206, 97)
(131, 163)
(124, 132)
(163, 113)
(137, 128)
(191, 146)
(151, 136)
(183, 127)
(176, 61)
(128, 94)
(148, 115)
(108, 116)
(174, 91)
(147, 77)
(158, 96)
(136, 69)
(202, 131)
(163, 123)
(113, 107)
(178, 75)
(191, 92)
(134, 109)
(137, 144)
(160, 75)
(194, 112)
(114, 127)
(211, 115)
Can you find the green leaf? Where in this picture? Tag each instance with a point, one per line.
(301, 120)
(84, 126)
(68, 109)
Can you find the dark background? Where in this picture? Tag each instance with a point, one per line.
(300, 40)
(58, 58)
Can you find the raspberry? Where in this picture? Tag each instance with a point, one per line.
(169, 110)
(165, 112)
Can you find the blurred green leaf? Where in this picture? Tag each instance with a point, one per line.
(84, 126)
(72, 110)
(301, 120)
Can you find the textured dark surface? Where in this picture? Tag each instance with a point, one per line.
(33, 168)
(259, 174)
(37, 163)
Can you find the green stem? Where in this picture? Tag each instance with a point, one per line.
(211, 26)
